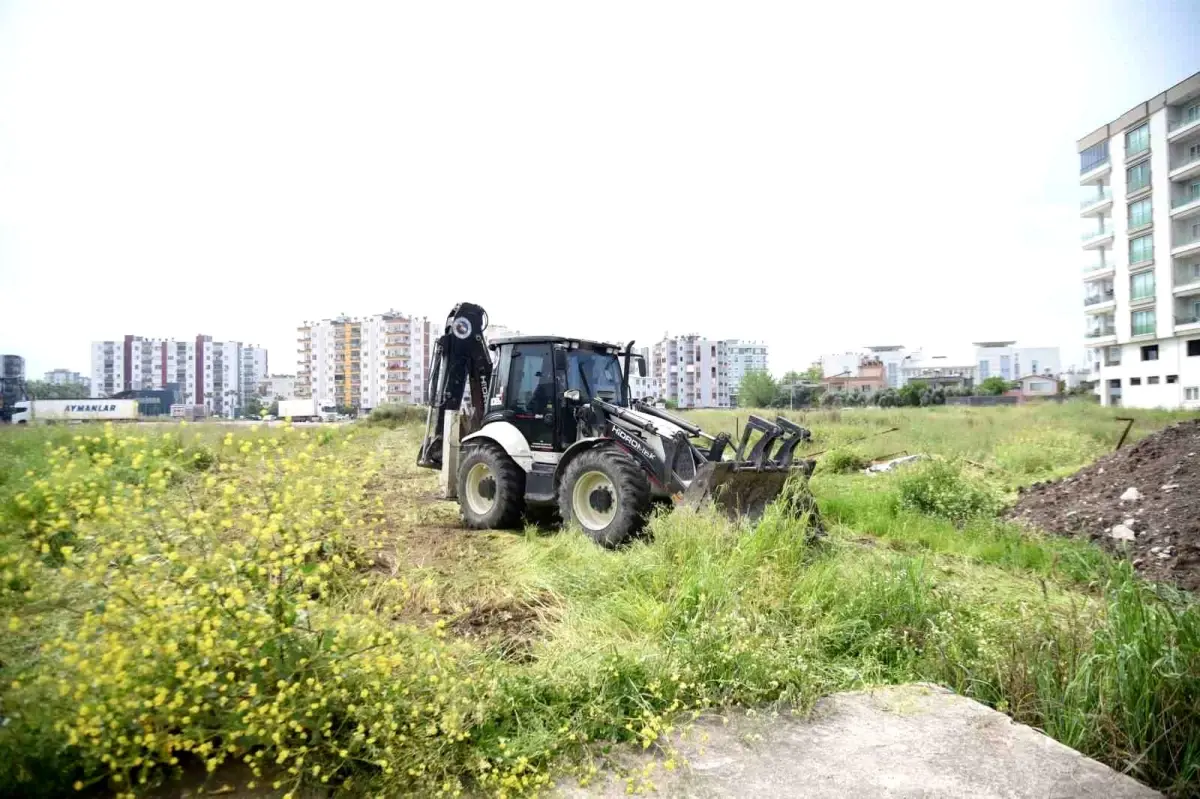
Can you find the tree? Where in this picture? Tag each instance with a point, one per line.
(910, 393)
(274, 409)
(995, 386)
(814, 373)
(38, 389)
(757, 390)
(254, 406)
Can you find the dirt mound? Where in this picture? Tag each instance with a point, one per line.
(1143, 499)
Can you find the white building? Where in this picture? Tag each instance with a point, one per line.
(745, 356)
(65, 377)
(254, 371)
(277, 387)
(1002, 359)
(691, 371)
(364, 362)
(893, 356)
(202, 371)
(1141, 241)
(958, 369)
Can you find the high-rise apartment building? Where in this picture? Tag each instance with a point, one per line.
(691, 371)
(254, 370)
(1141, 241)
(200, 371)
(364, 362)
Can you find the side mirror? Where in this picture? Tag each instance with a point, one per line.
(572, 395)
(641, 366)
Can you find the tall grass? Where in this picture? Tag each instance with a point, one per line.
(619, 646)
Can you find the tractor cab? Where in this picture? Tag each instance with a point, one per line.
(539, 383)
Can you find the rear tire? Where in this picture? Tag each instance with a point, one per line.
(491, 488)
(606, 493)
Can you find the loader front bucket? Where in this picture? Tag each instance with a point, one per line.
(740, 490)
(757, 475)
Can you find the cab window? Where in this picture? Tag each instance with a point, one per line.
(595, 374)
(530, 380)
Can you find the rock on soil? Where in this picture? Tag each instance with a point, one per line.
(1150, 489)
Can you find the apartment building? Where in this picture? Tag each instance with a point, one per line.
(892, 358)
(1004, 359)
(958, 370)
(254, 371)
(277, 387)
(65, 377)
(201, 371)
(745, 356)
(364, 362)
(692, 371)
(1141, 209)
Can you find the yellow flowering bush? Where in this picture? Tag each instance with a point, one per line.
(194, 599)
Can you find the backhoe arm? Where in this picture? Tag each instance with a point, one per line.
(460, 356)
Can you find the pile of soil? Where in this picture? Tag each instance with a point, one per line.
(1143, 499)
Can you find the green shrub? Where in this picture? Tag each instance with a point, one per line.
(842, 461)
(395, 415)
(940, 488)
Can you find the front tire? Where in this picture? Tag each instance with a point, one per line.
(606, 493)
(491, 488)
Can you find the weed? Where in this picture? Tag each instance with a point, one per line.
(940, 488)
(394, 415)
(842, 461)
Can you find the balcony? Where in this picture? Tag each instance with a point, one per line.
(1098, 269)
(1095, 172)
(1184, 246)
(1188, 322)
(1099, 302)
(1093, 239)
(1185, 205)
(1096, 202)
(1100, 335)
(1185, 170)
(1182, 129)
(1187, 279)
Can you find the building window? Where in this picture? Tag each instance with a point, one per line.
(1137, 177)
(1172, 378)
(1141, 249)
(1191, 393)
(1141, 286)
(1150, 352)
(1135, 381)
(1152, 381)
(1143, 323)
(1137, 140)
(983, 370)
(1005, 367)
(1139, 213)
(1193, 348)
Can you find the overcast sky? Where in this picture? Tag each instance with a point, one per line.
(818, 176)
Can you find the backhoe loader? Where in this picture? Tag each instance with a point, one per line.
(546, 421)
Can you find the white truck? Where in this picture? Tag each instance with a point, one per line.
(306, 410)
(76, 410)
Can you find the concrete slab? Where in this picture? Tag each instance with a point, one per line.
(897, 741)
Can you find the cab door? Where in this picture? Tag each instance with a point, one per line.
(531, 395)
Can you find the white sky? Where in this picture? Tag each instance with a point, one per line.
(818, 176)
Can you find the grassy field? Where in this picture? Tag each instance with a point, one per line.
(295, 608)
